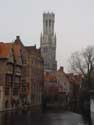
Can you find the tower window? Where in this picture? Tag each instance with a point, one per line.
(49, 23)
(46, 23)
(45, 50)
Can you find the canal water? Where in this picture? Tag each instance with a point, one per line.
(36, 118)
(48, 118)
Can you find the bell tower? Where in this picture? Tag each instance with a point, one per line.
(48, 23)
(48, 42)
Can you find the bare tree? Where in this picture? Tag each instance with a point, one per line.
(82, 62)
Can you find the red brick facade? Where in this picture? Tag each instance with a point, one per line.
(21, 75)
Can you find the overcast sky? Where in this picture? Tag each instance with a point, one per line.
(74, 23)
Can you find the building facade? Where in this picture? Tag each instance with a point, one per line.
(48, 43)
(63, 87)
(21, 75)
(50, 85)
(32, 74)
(25, 80)
(63, 82)
(36, 75)
(57, 88)
(10, 75)
(75, 83)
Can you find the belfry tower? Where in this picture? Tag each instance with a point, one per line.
(48, 43)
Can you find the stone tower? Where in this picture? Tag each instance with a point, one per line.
(48, 43)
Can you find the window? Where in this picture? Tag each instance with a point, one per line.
(15, 91)
(10, 67)
(6, 91)
(16, 81)
(18, 69)
(49, 23)
(46, 23)
(8, 80)
(23, 59)
(23, 89)
(45, 49)
(23, 83)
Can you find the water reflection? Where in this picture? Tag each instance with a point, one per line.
(87, 120)
(23, 118)
(7, 118)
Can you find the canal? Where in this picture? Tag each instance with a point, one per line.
(38, 118)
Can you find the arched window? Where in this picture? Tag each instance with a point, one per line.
(46, 25)
(49, 23)
(6, 104)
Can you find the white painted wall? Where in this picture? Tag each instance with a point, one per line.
(92, 105)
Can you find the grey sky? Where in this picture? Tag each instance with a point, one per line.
(74, 23)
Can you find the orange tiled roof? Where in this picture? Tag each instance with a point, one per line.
(6, 47)
(50, 77)
(74, 79)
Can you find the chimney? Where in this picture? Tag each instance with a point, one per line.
(17, 37)
(18, 41)
(61, 69)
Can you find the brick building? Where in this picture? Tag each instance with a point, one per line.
(63, 87)
(25, 80)
(75, 83)
(50, 84)
(21, 75)
(10, 75)
(63, 82)
(36, 74)
(57, 87)
(32, 74)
